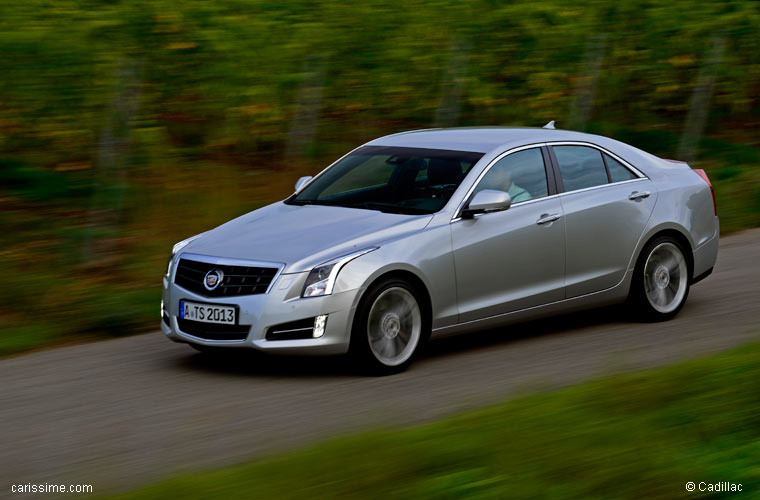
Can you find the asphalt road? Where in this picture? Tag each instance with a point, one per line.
(122, 413)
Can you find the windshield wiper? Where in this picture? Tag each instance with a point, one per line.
(367, 205)
(306, 202)
(384, 207)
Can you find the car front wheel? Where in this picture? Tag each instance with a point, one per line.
(389, 328)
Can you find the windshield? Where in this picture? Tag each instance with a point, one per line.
(390, 179)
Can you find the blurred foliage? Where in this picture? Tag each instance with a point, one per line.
(128, 125)
(635, 436)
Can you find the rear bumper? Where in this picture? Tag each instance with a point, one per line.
(706, 255)
(262, 311)
(702, 276)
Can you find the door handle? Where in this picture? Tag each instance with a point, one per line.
(638, 195)
(547, 218)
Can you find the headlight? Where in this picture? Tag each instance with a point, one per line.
(175, 250)
(321, 279)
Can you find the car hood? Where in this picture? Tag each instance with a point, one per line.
(303, 236)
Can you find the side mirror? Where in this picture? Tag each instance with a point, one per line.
(302, 182)
(488, 200)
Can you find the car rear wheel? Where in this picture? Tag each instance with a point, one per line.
(389, 328)
(661, 279)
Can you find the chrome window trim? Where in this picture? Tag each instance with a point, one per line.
(639, 174)
(225, 261)
(458, 212)
(626, 164)
(592, 188)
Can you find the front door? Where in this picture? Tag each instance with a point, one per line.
(514, 259)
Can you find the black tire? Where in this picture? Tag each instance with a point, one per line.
(661, 279)
(379, 318)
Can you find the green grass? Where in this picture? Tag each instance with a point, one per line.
(642, 435)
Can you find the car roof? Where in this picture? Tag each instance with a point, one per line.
(479, 139)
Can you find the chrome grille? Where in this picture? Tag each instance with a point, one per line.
(237, 280)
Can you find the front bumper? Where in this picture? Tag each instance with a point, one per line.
(281, 304)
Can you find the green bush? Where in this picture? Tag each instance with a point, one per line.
(123, 122)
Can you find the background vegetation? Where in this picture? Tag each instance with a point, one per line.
(635, 436)
(126, 126)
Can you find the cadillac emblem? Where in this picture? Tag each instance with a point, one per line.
(212, 279)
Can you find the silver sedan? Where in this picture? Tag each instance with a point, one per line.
(437, 232)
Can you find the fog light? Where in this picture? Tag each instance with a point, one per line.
(319, 325)
(162, 308)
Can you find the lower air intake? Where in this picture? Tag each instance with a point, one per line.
(294, 330)
(211, 331)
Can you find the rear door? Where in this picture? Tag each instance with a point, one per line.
(606, 204)
(512, 259)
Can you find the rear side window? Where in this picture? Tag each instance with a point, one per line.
(580, 167)
(618, 172)
(521, 174)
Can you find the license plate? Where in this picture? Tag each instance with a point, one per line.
(207, 313)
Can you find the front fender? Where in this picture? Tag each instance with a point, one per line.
(426, 255)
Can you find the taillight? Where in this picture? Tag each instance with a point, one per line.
(703, 175)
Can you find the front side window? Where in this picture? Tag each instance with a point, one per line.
(390, 179)
(521, 174)
(580, 167)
